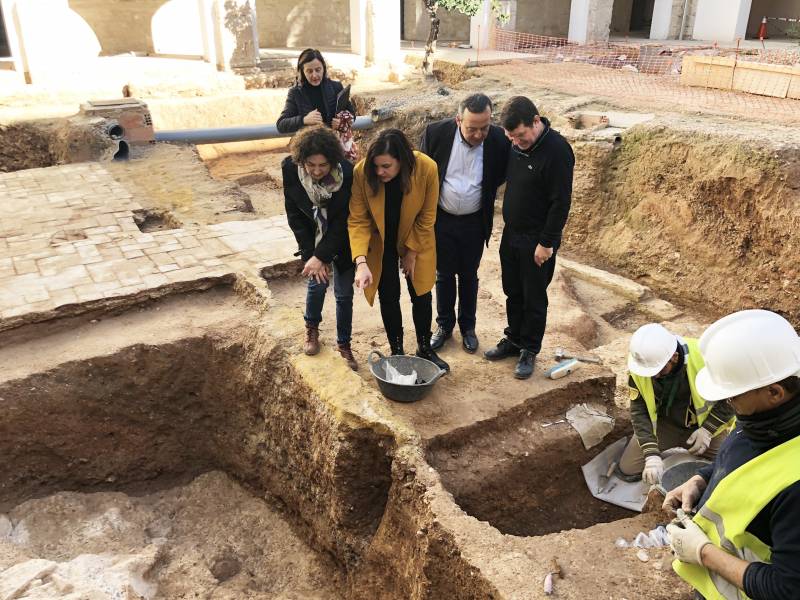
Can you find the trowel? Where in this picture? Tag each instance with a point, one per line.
(603, 480)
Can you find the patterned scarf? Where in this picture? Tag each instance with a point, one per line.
(345, 132)
(319, 192)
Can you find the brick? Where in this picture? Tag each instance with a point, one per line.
(105, 220)
(111, 253)
(132, 253)
(37, 296)
(185, 260)
(128, 278)
(103, 272)
(23, 266)
(102, 230)
(64, 249)
(155, 280)
(161, 258)
(62, 297)
(57, 265)
(189, 242)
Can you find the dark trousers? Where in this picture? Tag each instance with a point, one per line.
(389, 298)
(525, 287)
(459, 248)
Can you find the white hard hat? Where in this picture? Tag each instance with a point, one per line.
(745, 351)
(651, 348)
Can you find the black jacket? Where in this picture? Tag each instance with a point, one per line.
(335, 244)
(539, 190)
(437, 142)
(299, 104)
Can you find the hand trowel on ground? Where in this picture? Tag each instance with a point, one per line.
(603, 480)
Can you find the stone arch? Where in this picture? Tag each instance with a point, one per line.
(120, 27)
(43, 27)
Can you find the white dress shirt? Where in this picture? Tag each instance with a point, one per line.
(461, 188)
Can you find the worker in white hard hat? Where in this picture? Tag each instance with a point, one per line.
(744, 540)
(666, 409)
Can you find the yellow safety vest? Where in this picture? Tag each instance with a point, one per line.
(733, 504)
(694, 362)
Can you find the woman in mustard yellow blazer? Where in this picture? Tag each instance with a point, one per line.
(392, 212)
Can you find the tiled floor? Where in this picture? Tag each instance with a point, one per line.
(67, 236)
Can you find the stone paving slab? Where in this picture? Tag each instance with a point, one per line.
(68, 237)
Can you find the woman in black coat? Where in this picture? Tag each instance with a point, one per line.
(312, 100)
(316, 188)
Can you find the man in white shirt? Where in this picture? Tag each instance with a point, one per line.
(472, 156)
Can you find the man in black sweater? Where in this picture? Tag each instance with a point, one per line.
(472, 155)
(535, 209)
(745, 536)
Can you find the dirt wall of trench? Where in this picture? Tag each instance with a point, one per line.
(147, 417)
(413, 555)
(703, 218)
(35, 144)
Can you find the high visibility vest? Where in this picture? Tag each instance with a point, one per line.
(694, 362)
(733, 504)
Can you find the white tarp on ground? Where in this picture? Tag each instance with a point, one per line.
(615, 491)
(592, 423)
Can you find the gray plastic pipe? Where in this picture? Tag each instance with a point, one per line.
(221, 135)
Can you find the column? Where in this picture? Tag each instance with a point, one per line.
(590, 21)
(662, 19)
(235, 34)
(480, 27)
(722, 21)
(358, 27)
(375, 31)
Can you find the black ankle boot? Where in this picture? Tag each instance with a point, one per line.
(396, 344)
(425, 351)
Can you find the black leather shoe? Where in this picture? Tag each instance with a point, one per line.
(440, 336)
(504, 349)
(525, 364)
(469, 341)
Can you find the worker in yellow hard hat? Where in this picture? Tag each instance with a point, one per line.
(744, 540)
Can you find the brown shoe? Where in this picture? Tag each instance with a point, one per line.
(347, 354)
(311, 346)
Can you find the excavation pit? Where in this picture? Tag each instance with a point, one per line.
(523, 475)
(168, 409)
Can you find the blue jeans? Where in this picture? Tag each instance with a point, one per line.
(343, 292)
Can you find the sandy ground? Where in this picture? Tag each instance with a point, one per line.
(208, 539)
(244, 548)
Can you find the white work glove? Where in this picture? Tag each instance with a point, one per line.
(699, 441)
(653, 470)
(686, 539)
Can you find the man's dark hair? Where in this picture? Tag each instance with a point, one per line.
(306, 56)
(394, 143)
(316, 140)
(791, 384)
(475, 103)
(519, 110)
